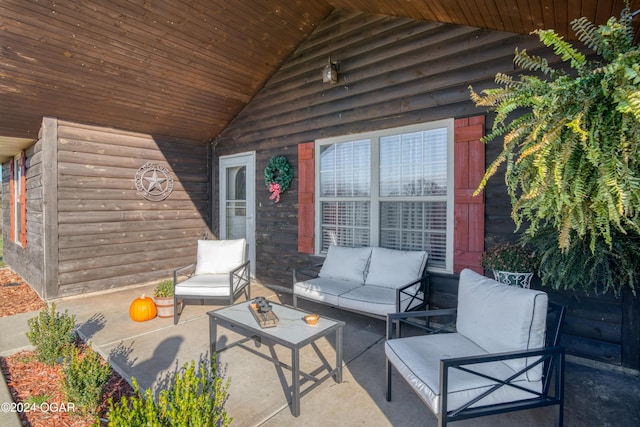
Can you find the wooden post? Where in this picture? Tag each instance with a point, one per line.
(49, 140)
(630, 329)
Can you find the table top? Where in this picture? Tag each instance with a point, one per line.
(291, 329)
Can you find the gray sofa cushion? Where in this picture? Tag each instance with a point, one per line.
(344, 263)
(323, 289)
(392, 268)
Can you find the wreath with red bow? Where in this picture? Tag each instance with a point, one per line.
(278, 175)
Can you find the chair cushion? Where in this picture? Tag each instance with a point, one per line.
(204, 285)
(392, 268)
(501, 318)
(345, 263)
(417, 359)
(323, 289)
(377, 300)
(219, 256)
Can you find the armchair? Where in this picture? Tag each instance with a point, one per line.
(500, 357)
(221, 272)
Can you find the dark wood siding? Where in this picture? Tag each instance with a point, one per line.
(27, 261)
(110, 236)
(393, 72)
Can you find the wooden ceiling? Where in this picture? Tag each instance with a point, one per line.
(186, 68)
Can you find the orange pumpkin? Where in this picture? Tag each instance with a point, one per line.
(142, 309)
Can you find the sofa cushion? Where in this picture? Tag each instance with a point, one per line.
(219, 256)
(393, 268)
(417, 359)
(323, 289)
(500, 317)
(378, 300)
(345, 263)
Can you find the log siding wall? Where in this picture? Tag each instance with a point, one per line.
(108, 235)
(393, 72)
(27, 261)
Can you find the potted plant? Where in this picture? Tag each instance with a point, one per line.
(511, 263)
(571, 151)
(163, 298)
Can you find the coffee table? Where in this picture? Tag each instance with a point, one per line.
(291, 332)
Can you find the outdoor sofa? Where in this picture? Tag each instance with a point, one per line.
(369, 280)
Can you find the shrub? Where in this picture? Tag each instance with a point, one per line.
(84, 378)
(52, 334)
(193, 397)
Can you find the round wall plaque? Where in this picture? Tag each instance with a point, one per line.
(154, 181)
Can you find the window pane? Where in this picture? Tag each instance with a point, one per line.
(345, 169)
(414, 164)
(415, 226)
(345, 224)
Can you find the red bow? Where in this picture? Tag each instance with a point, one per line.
(275, 192)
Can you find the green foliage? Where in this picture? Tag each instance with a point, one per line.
(52, 333)
(572, 153)
(84, 378)
(608, 268)
(164, 289)
(507, 256)
(278, 171)
(194, 397)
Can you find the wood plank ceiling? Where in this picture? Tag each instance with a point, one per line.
(185, 68)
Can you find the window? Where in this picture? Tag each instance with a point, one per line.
(17, 202)
(392, 188)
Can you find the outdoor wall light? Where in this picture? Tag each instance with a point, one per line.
(330, 72)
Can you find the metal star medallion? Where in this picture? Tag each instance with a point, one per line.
(154, 182)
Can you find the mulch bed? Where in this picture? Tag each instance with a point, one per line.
(28, 379)
(16, 296)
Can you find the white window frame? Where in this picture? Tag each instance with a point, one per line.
(374, 198)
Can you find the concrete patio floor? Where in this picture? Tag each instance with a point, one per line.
(596, 395)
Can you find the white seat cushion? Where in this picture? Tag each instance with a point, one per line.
(417, 359)
(205, 285)
(392, 268)
(323, 289)
(219, 256)
(344, 263)
(501, 318)
(377, 300)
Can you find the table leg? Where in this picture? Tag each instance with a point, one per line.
(295, 373)
(213, 338)
(338, 376)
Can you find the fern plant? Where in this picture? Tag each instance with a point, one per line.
(572, 148)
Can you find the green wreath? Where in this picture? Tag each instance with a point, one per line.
(278, 175)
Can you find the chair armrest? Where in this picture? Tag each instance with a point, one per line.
(309, 272)
(414, 295)
(241, 266)
(407, 316)
(181, 271)
(553, 356)
(242, 275)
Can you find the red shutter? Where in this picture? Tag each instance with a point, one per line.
(306, 186)
(468, 237)
(23, 199)
(12, 201)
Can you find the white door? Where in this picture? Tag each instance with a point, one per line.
(237, 200)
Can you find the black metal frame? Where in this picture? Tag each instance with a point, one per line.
(311, 272)
(241, 273)
(551, 357)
